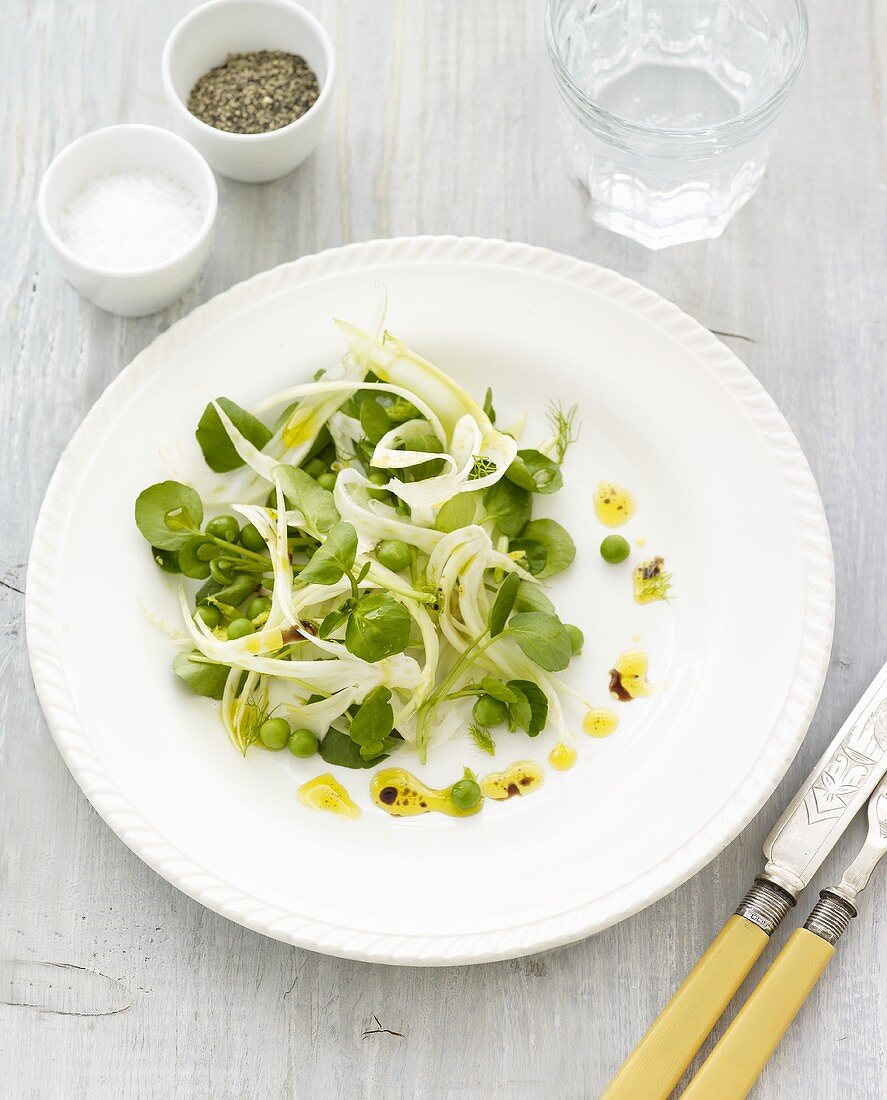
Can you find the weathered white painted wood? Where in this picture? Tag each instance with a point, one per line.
(444, 124)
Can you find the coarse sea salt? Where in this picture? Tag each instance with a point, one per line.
(129, 221)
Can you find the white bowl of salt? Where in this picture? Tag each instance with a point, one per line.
(129, 212)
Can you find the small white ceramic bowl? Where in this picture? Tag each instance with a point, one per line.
(124, 149)
(205, 38)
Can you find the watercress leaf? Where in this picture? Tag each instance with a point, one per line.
(520, 711)
(372, 749)
(333, 558)
(518, 474)
(374, 719)
(422, 441)
(338, 749)
(488, 407)
(417, 440)
(189, 563)
(508, 505)
(168, 514)
(491, 685)
(168, 560)
(560, 548)
(334, 620)
(379, 627)
(392, 741)
(242, 586)
(374, 420)
(459, 511)
(204, 592)
(201, 677)
(306, 496)
(543, 638)
(503, 604)
(218, 450)
(400, 410)
(538, 701)
(530, 597)
(545, 474)
(535, 554)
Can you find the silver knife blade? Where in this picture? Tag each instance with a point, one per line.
(832, 794)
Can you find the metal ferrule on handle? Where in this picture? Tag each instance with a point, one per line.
(659, 1060)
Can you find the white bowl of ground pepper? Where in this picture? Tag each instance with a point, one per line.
(250, 83)
(129, 212)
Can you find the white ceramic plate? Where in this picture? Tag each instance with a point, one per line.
(739, 656)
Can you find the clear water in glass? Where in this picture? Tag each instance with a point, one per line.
(669, 107)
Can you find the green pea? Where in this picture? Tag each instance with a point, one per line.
(274, 733)
(239, 628)
(377, 477)
(394, 554)
(208, 614)
(465, 794)
(314, 468)
(250, 538)
(488, 711)
(189, 563)
(577, 638)
(258, 606)
(224, 527)
(615, 549)
(327, 481)
(302, 743)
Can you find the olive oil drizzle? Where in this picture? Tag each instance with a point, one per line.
(401, 794)
(562, 757)
(628, 677)
(325, 792)
(600, 722)
(613, 504)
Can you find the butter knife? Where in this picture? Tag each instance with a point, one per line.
(828, 800)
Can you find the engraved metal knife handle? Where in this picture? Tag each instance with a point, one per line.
(833, 794)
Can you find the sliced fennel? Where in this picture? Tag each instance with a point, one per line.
(345, 587)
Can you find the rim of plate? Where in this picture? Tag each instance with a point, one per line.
(226, 898)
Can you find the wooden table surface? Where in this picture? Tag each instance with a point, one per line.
(112, 983)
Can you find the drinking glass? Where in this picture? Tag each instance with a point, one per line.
(669, 107)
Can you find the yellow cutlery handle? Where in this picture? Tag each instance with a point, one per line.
(736, 1062)
(655, 1065)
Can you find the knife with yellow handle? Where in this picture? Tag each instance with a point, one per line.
(736, 1062)
(826, 803)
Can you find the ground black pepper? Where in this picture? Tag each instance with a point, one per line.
(252, 93)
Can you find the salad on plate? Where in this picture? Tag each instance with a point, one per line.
(371, 579)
